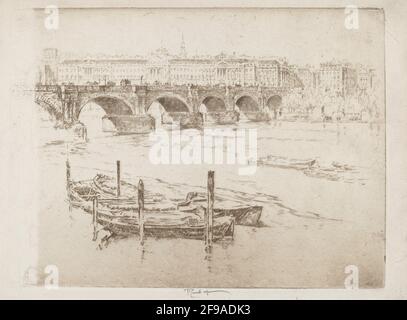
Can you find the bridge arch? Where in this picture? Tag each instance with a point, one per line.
(167, 108)
(51, 104)
(111, 104)
(214, 103)
(92, 111)
(274, 101)
(172, 103)
(247, 103)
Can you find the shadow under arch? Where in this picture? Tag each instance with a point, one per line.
(274, 102)
(214, 104)
(171, 103)
(110, 104)
(168, 108)
(247, 103)
(94, 114)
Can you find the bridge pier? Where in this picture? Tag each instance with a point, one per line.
(68, 111)
(125, 124)
(141, 93)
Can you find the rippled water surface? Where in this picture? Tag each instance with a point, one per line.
(316, 220)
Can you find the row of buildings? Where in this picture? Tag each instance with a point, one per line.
(164, 68)
(336, 78)
(333, 78)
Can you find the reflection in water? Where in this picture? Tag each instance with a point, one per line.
(306, 215)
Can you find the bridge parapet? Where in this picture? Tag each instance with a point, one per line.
(206, 89)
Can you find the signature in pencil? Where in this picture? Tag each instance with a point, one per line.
(196, 293)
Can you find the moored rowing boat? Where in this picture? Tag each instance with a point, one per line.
(119, 216)
(286, 163)
(248, 215)
(179, 225)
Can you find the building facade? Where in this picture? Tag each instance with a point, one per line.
(337, 79)
(49, 67)
(163, 68)
(365, 78)
(308, 77)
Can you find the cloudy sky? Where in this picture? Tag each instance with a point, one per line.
(303, 36)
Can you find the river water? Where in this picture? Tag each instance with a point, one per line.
(315, 221)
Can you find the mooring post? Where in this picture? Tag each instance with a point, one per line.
(95, 217)
(140, 197)
(68, 175)
(209, 211)
(118, 178)
(68, 183)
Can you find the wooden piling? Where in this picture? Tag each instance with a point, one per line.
(209, 211)
(68, 174)
(140, 197)
(118, 178)
(95, 217)
(68, 183)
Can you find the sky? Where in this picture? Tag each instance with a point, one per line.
(303, 36)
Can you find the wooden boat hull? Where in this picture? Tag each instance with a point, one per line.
(126, 226)
(279, 162)
(169, 223)
(244, 215)
(106, 187)
(81, 194)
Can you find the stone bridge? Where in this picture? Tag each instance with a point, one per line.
(66, 102)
